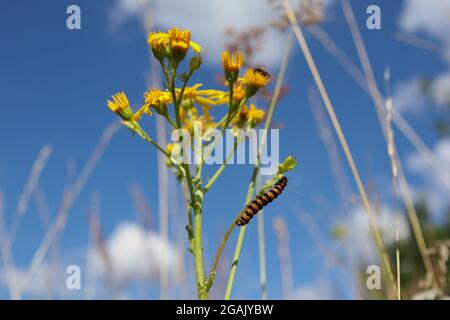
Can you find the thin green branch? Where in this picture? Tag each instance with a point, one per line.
(135, 127)
(262, 255)
(221, 169)
(169, 118)
(251, 187)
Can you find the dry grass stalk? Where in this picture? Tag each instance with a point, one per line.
(365, 200)
(29, 187)
(404, 127)
(331, 149)
(287, 276)
(141, 205)
(379, 107)
(24, 199)
(397, 256)
(417, 42)
(68, 200)
(394, 172)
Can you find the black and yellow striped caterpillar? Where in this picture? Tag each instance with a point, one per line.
(254, 206)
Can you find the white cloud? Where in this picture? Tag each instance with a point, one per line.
(436, 179)
(431, 18)
(136, 254)
(208, 21)
(48, 282)
(441, 89)
(408, 97)
(133, 254)
(359, 234)
(318, 291)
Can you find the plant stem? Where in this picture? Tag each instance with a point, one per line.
(202, 292)
(262, 255)
(221, 169)
(169, 118)
(134, 126)
(240, 241)
(251, 186)
(198, 249)
(230, 107)
(219, 253)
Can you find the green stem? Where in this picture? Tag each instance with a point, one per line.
(230, 107)
(262, 255)
(135, 127)
(223, 129)
(240, 241)
(190, 230)
(202, 292)
(169, 118)
(198, 249)
(183, 88)
(251, 186)
(212, 272)
(220, 170)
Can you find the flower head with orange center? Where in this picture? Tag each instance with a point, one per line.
(156, 99)
(231, 65)
(254, 79)
(179, 41)
(120, 105)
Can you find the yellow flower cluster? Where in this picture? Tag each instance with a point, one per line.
(173, 43)
(250, 83)
(193, 103)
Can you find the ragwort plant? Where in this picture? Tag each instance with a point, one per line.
(185, 105)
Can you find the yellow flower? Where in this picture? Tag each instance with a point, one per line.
(255, 115)
(191, 115)
(120, 105)
(255, 79)
(158, 42)
(231, 65)
(205, 98)
(178, 41)
(249, 117)
(156, 99)
(238, 95)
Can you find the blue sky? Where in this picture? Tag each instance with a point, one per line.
(54, 83)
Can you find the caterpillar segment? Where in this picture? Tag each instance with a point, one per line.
(254, 206)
